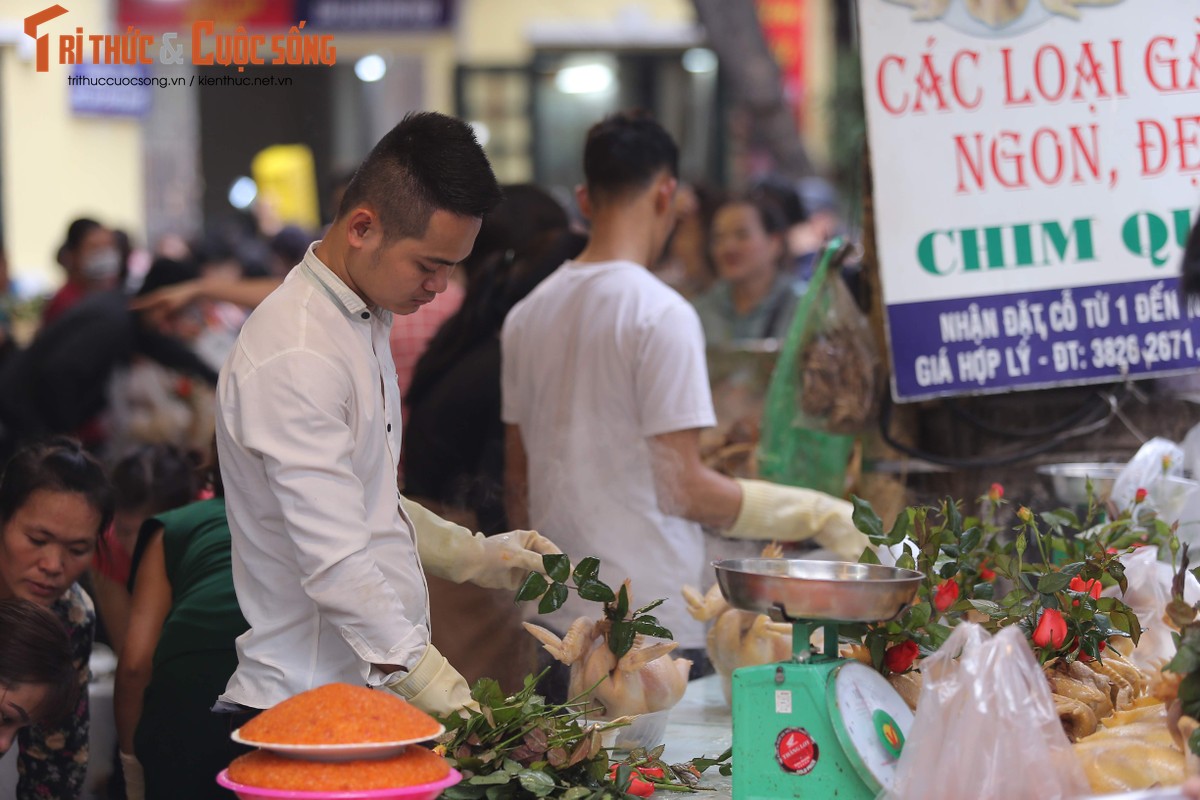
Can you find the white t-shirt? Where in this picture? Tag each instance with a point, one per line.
(325, 560)
(599, 357)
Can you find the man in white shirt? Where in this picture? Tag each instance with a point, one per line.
(605, 390)
(327, 557)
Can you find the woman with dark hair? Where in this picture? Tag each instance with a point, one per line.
(92, 260)
(753, 298)
(179, 653)
(455, 452)
(55, 502)
(38, 682)
(149, 480)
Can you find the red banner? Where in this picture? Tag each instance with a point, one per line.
(783, 23)
(170, 15)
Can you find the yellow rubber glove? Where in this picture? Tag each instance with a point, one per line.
(433, 685)
(135, 779)
(792, 514)
(452, 552)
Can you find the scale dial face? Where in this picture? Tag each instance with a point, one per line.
(871, 721)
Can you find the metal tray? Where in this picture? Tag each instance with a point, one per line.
(792, 589)
(1068, 481)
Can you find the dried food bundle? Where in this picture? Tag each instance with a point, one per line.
(838, 369)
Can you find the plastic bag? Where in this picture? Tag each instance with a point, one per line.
(837, 368)
(986, 726)
(1155, 459)
(1149, 582)
(807, 422)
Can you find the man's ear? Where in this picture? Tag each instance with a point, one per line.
(664, 194)
(361, 225)
(584, 201)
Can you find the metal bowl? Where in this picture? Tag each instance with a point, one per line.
(791, 589)
(1069, 481)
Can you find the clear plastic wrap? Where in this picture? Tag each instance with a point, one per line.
(1149, 582)
(986, 726)
(1156, 459)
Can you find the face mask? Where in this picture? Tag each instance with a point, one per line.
(101, 265)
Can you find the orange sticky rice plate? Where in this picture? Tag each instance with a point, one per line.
(265, 770)
(339, 713)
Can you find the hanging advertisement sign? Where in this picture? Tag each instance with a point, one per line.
(783, 24)
(1036, 170)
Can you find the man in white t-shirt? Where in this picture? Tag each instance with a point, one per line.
(605, 391)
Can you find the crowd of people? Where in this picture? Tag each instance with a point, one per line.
(524, 353)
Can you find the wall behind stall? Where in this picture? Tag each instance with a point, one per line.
(58, 166)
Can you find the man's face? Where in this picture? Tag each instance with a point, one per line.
(404, 274)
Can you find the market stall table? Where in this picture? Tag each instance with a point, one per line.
(701, 725)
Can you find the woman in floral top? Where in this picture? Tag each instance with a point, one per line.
(55, 501)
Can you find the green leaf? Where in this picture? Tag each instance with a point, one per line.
(1059, 519)
(1117, 570)
(954, 518)
(1194, 742)
(464, 791)
(650, 607)
(533, 587)
(502, 792)
(587, 569)
(491, 779)
(1186, 660)
(623, 777)
(866, 520)
(622, 602)
(1053, 582)
(900, 529)
(988, 607)
(918, 615)
(704, 763)
(938, 634)
(949, 570)
(553, 599)
(1021, 543)
(558, 566)
(576, 793)
(971, 539)
(594, 590)
(906, 561)
(620, 638)
(868, 556)
(651, 628)
(538, 784)
(878, 648)
(487, 692)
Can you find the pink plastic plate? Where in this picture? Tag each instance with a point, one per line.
(424, 791)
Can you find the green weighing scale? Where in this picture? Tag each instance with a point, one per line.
(817, 726)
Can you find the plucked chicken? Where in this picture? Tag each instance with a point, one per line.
(644, 680)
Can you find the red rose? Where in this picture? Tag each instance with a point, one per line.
(986, 572)
(637, 786)
(900, 657)
(945, 595)
(1092, 586)
(1051, 630)
(995, 492)
(1139, 495)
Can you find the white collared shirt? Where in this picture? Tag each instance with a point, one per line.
(325, 561)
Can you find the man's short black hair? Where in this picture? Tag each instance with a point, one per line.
(428, 162)
(625, 152)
